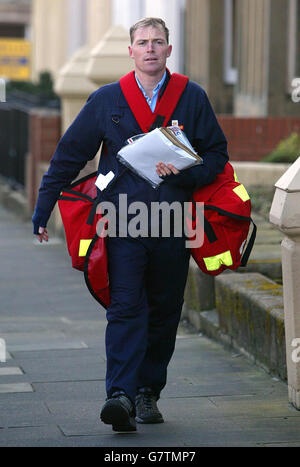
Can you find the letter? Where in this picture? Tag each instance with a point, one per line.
(176, 457)
(123, 218)
(109, 218)
(141, 219)
(296, 91)
(198, 232)
(165, 208)
(152, 456)
(135, 458)
(107, 458)
(296, 352)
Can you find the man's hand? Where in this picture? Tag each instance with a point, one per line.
(163, 169)
(43, 235)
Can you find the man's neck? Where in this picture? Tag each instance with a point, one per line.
(149, 82)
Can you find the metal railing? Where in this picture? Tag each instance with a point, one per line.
(14, 134)
(14, 138)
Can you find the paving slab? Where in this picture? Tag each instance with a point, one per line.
(63, 369)
(6, 388)
(9, 371)
(18, 414)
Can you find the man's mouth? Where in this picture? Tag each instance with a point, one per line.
(151, 59)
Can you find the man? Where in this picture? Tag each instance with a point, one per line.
(147, 275)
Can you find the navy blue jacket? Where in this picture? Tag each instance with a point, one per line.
(106, 118)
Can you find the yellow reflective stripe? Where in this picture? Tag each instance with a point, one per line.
(241, 192)
(235, 177)
(214, 262)
(83, 247)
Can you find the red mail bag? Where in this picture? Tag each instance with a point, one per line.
(78, 208)
(223, 218)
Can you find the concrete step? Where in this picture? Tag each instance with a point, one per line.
(248, 316)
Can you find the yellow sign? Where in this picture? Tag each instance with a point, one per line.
(15, 59)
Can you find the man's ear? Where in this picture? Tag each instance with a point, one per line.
(169, 50)
(130, 52)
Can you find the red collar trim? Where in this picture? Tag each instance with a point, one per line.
(165, 106)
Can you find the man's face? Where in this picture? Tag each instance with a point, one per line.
(150, 50)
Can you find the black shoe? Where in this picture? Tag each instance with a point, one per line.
(118, 411)
(146, 407)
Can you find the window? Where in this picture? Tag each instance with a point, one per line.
(127, 12)
(230, 41)
(293, 42)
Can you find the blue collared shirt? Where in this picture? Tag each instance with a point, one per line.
(152, 102)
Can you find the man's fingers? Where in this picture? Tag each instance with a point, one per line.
(173, 169)
(163, 169)
(43, 235)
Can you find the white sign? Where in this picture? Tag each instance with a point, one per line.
(2, 351)
(2, 90)
(296, 352)
(296, 91)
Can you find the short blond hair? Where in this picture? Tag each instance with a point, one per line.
(146, 22)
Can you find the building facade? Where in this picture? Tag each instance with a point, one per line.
(245, 53)
(15, 19)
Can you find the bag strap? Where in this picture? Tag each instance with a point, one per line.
(223, 212)
(245, 257)
(78, 194)
(165, 106)
(83, 179)
(86, 271)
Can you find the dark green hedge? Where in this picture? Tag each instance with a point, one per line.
(287, 151)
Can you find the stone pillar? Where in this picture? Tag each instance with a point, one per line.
(127, 12)
(49, 34)
(109, 59)
(285, 215)
(251, 96)
(73, 86)
(197, 37)
(77, 25)
(172, 12)
(72, 83)
(98, 20)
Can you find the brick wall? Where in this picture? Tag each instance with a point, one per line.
(44, 134)
(250, 139)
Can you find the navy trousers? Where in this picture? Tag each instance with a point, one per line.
(147, 282)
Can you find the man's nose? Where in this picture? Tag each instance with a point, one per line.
(150, 46)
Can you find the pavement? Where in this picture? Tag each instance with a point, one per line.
(52, 385)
